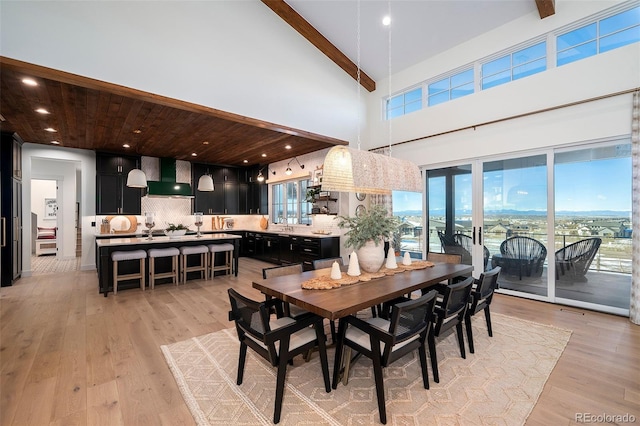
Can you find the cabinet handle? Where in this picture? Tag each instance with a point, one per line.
(4, 232)
(225, 211)
(258, 211)
(308, 250)
(291, 247)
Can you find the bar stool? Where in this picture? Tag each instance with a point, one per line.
(163, 252)
(118, 256)
(185, 251)
(227, 249)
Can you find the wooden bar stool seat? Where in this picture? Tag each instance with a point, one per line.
(225, 248)
(172, 252)
(119, 256)
(202, 267)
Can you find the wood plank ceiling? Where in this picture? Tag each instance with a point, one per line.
(94, 115)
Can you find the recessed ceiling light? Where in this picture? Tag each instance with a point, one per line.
(29, 82)
(137, 131)
(245, 161)
(42, 111)
(55, 142)
(386, 21)
(193, 154)
(126, 145)
(50, 129)
(264, 155)
(287, 147)
(205, 143)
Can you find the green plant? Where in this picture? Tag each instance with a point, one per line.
(312, 192)
(373, 224)
(178, 227)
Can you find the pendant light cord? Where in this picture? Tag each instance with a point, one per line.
(358, 74)
(389, 81)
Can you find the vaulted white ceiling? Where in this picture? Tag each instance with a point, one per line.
(420, 29)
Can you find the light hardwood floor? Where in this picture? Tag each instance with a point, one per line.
(70, 356)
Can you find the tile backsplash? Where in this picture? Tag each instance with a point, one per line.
(168, 210)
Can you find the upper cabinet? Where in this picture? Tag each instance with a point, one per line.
(113, 196)
(236, 190)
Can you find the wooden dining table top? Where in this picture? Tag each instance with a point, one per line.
(346, 300)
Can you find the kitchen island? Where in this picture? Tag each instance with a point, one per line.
(105, 246)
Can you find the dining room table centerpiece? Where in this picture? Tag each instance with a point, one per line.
(367, 233)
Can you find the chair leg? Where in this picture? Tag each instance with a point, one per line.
(487, 316)
(467, 324)
(282, 374)
(377, 373)
(115, 277)
(460, 335)
(142, 273)
(423, 365)
(241, 361)
(434, 357)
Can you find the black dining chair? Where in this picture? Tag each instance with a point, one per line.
(279, 271)
(385, 341)
(480, 300)
(449, 313)
(277, 340)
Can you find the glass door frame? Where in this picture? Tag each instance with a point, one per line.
(477, 218)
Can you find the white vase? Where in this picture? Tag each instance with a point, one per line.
(370, 256)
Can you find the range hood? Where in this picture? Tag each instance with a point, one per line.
(167, 186)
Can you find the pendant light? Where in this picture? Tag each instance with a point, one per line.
(349, 170)
(205, 183)
(136, 178)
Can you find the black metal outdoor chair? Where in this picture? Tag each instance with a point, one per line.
(461, 244)
(573, 261)
(521, 256)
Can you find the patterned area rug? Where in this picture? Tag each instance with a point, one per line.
(51, 264)
(498, 385)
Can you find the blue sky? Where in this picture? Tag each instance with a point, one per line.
(604, 184)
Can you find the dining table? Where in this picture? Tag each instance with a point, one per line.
(339, 302)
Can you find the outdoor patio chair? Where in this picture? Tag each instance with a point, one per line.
(574, 260)
(276, 340)
(521, 256)
(467, 242)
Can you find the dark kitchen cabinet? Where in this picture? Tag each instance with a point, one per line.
(113, 196)
(211, 202)
(10, 208)
(289, 249)
(271, 248)
(231, 198)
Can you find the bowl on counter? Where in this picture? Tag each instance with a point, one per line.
(175, 234)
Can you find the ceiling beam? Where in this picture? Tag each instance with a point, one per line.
(298, 23)
(546, 8)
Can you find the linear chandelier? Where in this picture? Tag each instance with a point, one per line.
(352, 170)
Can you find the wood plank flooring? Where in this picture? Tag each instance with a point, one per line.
(69, 356)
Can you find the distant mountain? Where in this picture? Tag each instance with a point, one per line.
(511, 213)
(408, 213)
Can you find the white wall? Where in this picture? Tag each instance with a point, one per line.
(601, 75)
(41, 189)
(237, 56)
(62, 164)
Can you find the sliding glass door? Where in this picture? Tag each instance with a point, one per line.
(593, 225)
(557, 222)
(515, 221)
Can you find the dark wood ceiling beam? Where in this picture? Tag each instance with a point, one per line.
(298, 23)
(546, 8)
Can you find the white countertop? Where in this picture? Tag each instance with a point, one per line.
(295, 233)
(106, 242)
